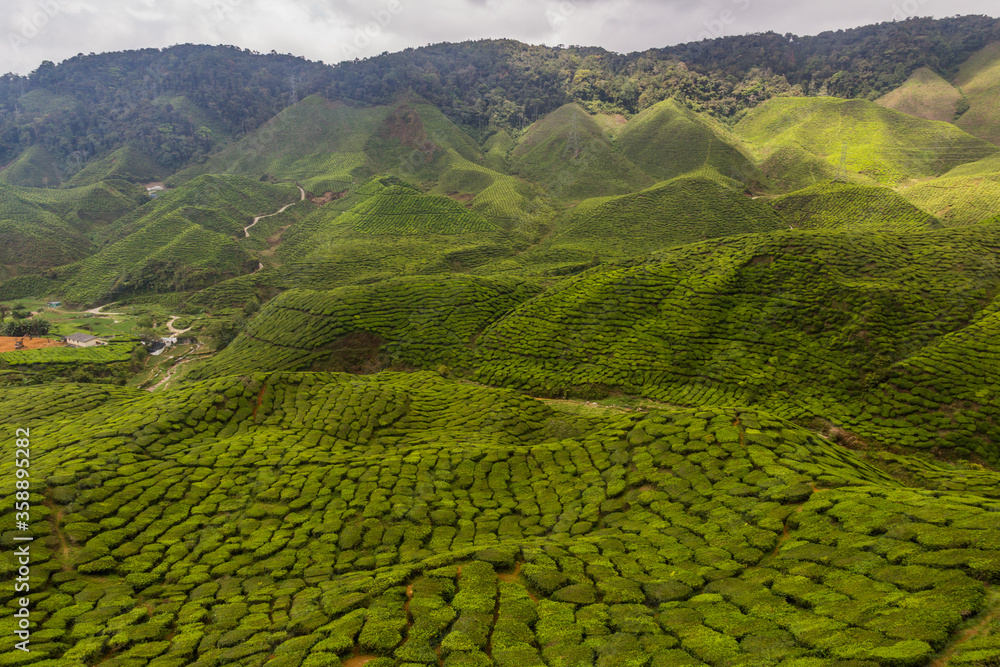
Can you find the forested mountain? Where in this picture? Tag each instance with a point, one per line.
(178, 103)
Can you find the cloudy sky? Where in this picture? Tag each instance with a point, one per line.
(333, 30)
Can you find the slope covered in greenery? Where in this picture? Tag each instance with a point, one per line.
(701, 205)
(567, 154)
(43, 228)
(805, 324)
(185, 239)
(386, 229)
(301, 519)
(851, 207)
(967, 194)
(979, 80)
(668, 140)
(924, 95)
(859, 137)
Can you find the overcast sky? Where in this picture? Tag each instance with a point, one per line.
(335, 30)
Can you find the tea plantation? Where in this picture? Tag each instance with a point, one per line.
(301, 519)
(575, 359)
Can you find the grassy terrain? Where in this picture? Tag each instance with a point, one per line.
(851, 207)
(34, 168)
(807, 324)
(924, 95)
(856, 136)
(979, 80)
(420, 322)
(300, 519)
(386, 229)
(967, 194)
(43, 228)
(668, 140)
(568, 154)
(185, 239)
(128, 163)
(624, 393)
(694, 207)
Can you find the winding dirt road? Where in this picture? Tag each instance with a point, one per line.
(183, 359)
(246, 230)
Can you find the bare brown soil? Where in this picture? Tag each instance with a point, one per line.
(7, 343)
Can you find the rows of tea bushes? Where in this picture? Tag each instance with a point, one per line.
(694, 207)
(502, 199)
(386, 229)
(967, 194)
(403, 210)
(302, 518)
(946, 395)
(184, 240)
(800, 322)
(102, 354)
(860, 137)
(424, 322)
(851, 207)
(41, 228)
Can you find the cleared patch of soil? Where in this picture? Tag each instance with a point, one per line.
(7, 343)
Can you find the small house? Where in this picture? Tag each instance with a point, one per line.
(83, 340)
(53, 304)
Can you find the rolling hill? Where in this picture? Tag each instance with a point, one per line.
(511, 356)
(44, 228)
(851, 207)
(694, 207)
(569, 155)
(967, 194)
(184, 240)
(668, 140)
(792, 134)
(979, 79)
(924, 95)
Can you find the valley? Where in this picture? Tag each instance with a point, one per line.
(424, 365)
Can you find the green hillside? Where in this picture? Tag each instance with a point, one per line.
(668, 140)
(806, 324)
(128, 163)
(386, 229)
(851, 207)
(185, 239)
(492, 354)
(316, 142)
(967, 194)
(570, 157)
(315, 517)
(418, 322)
(328, 146)
(979, 80)
(924, 95)
(42, 228)
(856, 136)
(36, 167)
(690, 208)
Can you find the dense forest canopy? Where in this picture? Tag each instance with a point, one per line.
(176, 104)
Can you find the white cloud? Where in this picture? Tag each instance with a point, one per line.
(328, 30)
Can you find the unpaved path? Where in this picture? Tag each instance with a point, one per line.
(174, 330)
(246, 230)
(183, 359)
(97, 311)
